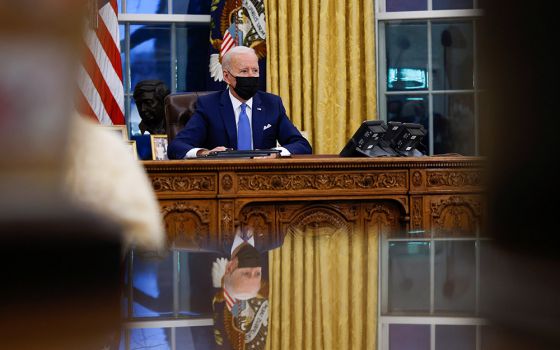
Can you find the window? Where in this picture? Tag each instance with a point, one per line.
(427, 74)
(163, 40)
(427, 70)
(430, 291)
(167, 304)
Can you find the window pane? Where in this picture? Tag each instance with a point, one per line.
(146, 6)
(455, 337)
(153, 286)
(192, 57)
(195, 283)
(193, 7)
(150, 53)
(409, 337)
(406, 5)
(409, 277)
(408, 109)
(454, 124)
(484, 71)
(150, 338)
(452, 4)
(195, 338)
(407, 56)
(452, 55)
(134, 118)
(455, 277)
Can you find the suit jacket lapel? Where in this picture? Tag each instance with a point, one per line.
(226, 112)
(258, 120)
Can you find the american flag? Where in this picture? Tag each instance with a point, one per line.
(100, 78)
(228, 41)
(230, 301)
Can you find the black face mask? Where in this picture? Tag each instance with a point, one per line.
(246, 87)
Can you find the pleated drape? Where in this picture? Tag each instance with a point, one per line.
(323, 292)
(321, 62)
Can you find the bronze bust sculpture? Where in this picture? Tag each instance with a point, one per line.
(148, 96)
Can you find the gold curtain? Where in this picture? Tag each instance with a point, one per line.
(323, 290)
(321, 61)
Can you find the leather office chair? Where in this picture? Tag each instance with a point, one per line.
(179, 107)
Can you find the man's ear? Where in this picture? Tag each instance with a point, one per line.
(231, 265)
(227, 77)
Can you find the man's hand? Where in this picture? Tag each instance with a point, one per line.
(205, 152)
(272, 155)
(218, 271)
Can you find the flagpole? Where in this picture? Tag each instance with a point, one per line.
(93, 8)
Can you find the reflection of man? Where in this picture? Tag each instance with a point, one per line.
(240, 117)
(241, 305)
(148, 96)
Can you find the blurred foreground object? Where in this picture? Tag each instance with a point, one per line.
(103, 177)
(42, 166)
(39, 55)
(518, 66)
(72, 197)
(60, 281)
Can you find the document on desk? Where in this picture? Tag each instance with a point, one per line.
(242, 154)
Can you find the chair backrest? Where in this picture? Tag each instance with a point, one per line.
(179, 107)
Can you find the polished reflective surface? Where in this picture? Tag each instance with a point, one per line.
(409, 277)
(455, 277)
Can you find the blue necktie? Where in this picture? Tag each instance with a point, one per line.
(243, 130)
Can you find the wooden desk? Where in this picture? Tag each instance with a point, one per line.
(204, 201)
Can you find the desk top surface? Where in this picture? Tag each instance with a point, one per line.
(310, 162)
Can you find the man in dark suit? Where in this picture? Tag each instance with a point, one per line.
(239, 117)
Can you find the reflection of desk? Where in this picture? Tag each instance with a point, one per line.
(204, 201)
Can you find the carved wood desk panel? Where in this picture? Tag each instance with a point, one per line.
(204, 201)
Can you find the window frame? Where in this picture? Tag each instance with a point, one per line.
(130, 323)
(432, 318)
(127, 19)
(383, 17)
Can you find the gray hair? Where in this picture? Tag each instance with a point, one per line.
(237, 50)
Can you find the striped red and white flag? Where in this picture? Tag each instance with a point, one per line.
(230, 301)
(228, 41)
(100, 78)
